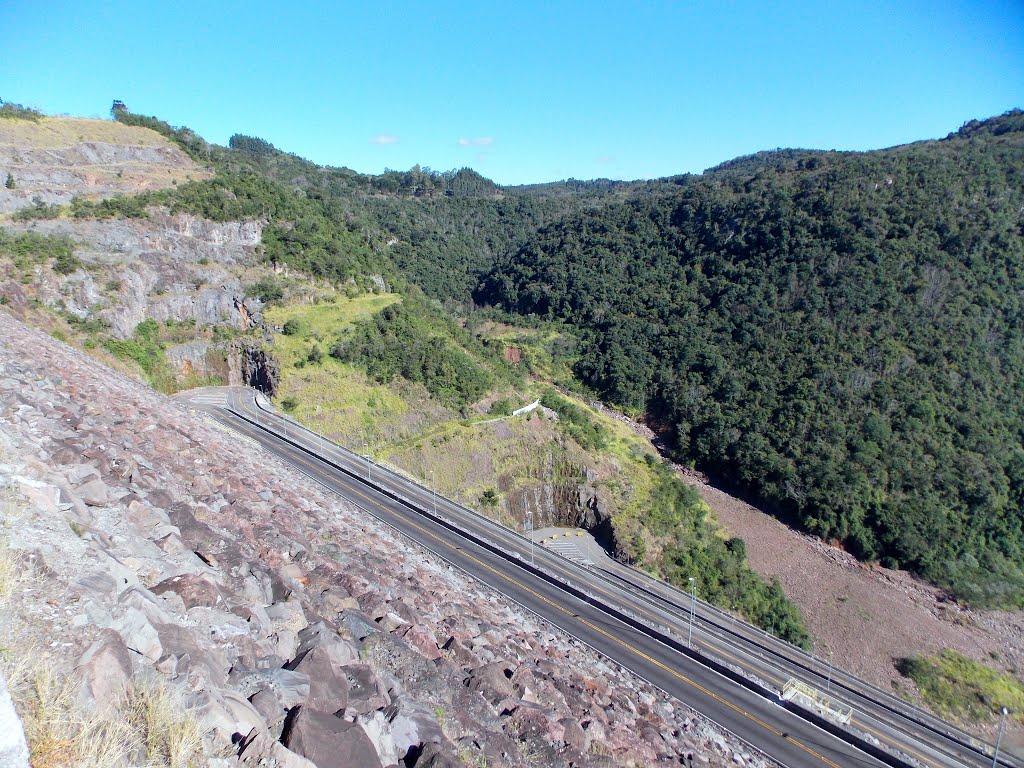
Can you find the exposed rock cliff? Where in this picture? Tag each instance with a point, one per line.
(165, 267)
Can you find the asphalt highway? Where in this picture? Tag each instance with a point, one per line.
(439, 524)
(788, 739)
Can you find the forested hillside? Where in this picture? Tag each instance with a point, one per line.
(838, 334)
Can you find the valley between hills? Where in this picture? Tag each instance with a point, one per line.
(391, 314)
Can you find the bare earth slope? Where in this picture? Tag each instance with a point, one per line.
(58, 158)
(868, 616)
(164, 547)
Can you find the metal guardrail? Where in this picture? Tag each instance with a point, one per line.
(879, 697)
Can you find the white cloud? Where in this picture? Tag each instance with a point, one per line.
(482, 141)
(384, 138)
(605, 159)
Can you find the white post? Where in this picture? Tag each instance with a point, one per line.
(999, 738)
(693, 600)
(433, 490)
(828, 685)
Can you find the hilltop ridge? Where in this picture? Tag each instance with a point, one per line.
(55, 159)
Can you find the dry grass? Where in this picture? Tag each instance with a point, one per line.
(59, 132)
(171, 734)
(148, 724)
(10, 562)
(53, 143)
(58, 730)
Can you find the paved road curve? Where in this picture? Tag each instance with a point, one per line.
(929, 741)
(790, 740)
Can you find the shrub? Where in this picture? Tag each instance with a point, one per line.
(268, 290)
(293, 326)
(961, 688)
(65, 263)
(502, 407)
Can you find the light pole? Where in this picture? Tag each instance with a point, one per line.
(693, 600)
(828, 684)
(999, 738)
(433, 491)
(366, 449)
(529, 532)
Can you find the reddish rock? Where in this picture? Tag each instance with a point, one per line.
(193, 589)
(328, 690)
(421, 638)
(105, 669)
(328, 741)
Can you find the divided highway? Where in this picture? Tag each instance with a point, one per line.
(639, 622)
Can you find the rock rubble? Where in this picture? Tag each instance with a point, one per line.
(300, 630)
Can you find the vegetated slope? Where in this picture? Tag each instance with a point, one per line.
(837, 333)
(442, 230)
(407, 384)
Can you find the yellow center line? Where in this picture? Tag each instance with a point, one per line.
(672, 622)
(317, 471)
(516, 545)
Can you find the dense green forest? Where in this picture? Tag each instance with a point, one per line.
(441, 230)
(837, 334)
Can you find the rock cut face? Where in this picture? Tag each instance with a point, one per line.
(55, 159)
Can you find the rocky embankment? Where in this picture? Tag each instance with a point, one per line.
(300, 631)
(166, 267)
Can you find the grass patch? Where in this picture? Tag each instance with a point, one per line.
(329, 319)
(62, 733)
(60, 132)
(10, 562)
(59, 731)
(171, 734)
(963, 689)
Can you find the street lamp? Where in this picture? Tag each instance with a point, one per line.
(999, 738)
(693, 600)
(433, 490)
(529, 532)
(828, 684)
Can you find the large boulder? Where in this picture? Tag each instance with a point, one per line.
(105, 669)
(329, 741)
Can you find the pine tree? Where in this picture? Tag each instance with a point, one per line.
(10, 182)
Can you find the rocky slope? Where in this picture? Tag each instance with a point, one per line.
(55, 159)
(179, 270)
(155, 546)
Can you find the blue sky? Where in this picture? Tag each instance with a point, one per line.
(526, 91)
